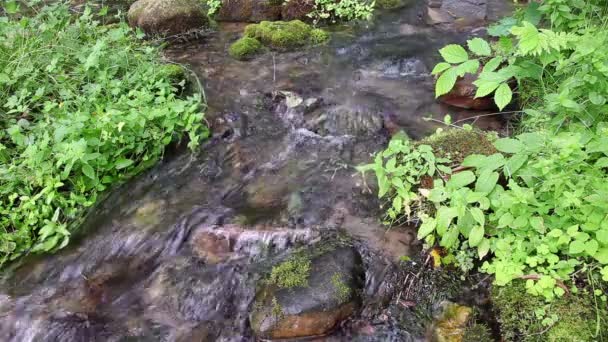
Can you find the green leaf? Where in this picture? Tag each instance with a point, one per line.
(11, 7)
(476, 236)
(123, 163)
(427, 227)
(485, 88)
(515, 163)
(479, 47)
(483, 248)
(602, 236)
(88, 171)
(444, 218)
(440, 67)
(478, 216)
(505, 220)
(508, 145)
(486, 181)
(454, 54)
(576, 247)
(528, 38)
(503, 96)
(492, 64)
(460, 179)
(445, 82)
(449, 239)
(602, 255)
(468, 67)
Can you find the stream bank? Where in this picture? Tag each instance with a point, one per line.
(182, 252)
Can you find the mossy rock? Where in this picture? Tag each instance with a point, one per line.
(285, 35)
(309, 293)
(457, 144)
(245, 48)
(577, 316)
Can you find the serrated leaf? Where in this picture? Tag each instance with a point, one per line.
(476, 236)
(445, 82)
(460, 180)
(479, 47)
(508, 145)
(503, 96)
(440, 67)
(454, 54)
(485, 88)
(492, 64)
(469, 67)
(528, 38)
(486, 181)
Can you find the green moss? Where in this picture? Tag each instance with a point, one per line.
(341, 288)
(457, 144)
(477, 333)
(318, 36)
(285, 35)
(291, 273)
(245, 48)
(277, 310)
(517, 314)
(173, 72)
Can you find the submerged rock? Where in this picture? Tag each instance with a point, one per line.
(451, 324)
(309, 294)
(249, 10)
(167, 17)
(456, 13)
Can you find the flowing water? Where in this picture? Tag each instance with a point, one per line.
(175, 255)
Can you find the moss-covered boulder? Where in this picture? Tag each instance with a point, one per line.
(309, 293)
(285, 35)
(167, 17)
(570, 318)
(457, 144)
(245, 48)
(249, 10)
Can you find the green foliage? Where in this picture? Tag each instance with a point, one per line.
(245, 48)
(281, 35)
(398, 170)
(342, 289)
(213, 6)
(84, 107)
(291, 273)
(456, 144)
(345, 10)
(527, 318)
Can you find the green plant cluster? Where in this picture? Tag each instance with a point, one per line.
(83, 107)
(213, 6)
(344, 10)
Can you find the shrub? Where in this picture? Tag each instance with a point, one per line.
(84, 107)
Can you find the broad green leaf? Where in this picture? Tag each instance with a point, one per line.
(576, 247)
(427, 227)
(444, 218)
(454, 54)
(508, 145)
(483, 248)
(486, 181)
(492, 64)
(123, 163)
(468, 67)
(602, 236)
(440, 67)
(88, 171)
(479, 47)
(503, 96)
(445, 82)
(515, 163)
(505, 220)
(478, 216)
(474, 160)
(485, 88)
(450, 238)
(476, 236)
(602, 255)
(460, 179)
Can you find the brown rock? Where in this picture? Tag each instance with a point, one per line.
(167, 17)
(249, 10)
(463, 95)
(297, 9)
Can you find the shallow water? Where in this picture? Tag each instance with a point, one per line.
(274, 176)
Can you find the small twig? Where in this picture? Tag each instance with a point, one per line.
(483, 115)
(537, 277)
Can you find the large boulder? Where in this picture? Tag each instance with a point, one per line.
(297, 9)
(167, 17)
(309, 293)
(249, 10)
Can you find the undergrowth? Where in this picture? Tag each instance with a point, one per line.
(83, 107)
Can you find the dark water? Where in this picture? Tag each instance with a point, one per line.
(278, 173)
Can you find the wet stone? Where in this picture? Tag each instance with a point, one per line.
(309, 294)
(167, 17)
